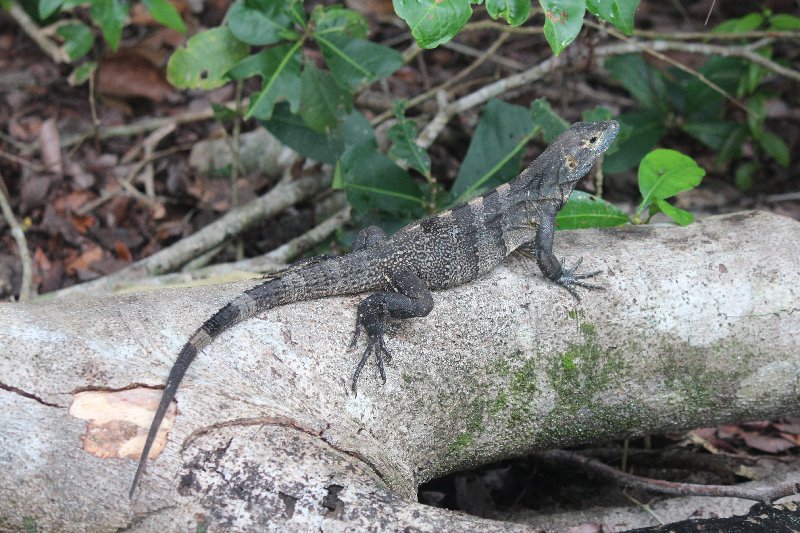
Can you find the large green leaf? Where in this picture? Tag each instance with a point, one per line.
(749, 22)
(620, 13)
(712, 133)
(775, 147)
(165, 13)
(260, 22)
(354, 62)
(586, 211)
(639, 133)
(373, 181)
(110, 16)
(279, 68)
(514, 11)
(563, 22)
(206, 58)
(403, 135)
(433, 22)
(681, 216)
(495, 153)
(322, 101)
(326, 147)
(48, 7)
(664, 173)
(551, 124)
(643, 81)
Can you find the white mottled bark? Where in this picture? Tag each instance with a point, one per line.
(699, 325)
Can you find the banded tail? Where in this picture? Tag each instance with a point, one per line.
(309, 282)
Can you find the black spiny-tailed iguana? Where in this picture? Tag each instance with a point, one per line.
(444, 250)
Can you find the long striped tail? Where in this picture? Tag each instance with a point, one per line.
(326, 278)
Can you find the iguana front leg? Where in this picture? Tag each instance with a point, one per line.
(551, 267)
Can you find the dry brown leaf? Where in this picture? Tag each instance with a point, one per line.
(82, 223)
(75, 265)
(122, 251)
(765, 443)
(128, 74)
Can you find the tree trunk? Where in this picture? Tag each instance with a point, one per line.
(697, 326)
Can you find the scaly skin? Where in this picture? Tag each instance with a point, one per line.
(444, 250)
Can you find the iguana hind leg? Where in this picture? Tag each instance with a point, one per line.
(411, 299)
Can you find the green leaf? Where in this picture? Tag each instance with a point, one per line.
(563, 22)
(373, 181)
(165, 13)
(749, 22)
(551, 124)
(514, 11)
(664, 173)
(279, 69)
(584, 210)
(110, 16)
(639, 133)
(322, 101)
(354, 62)
(644, 82)
(48, 7)
(703, 102)
(757, 114)
(433, 22)
(712, 133)
(81, 73)
(78, 39)
(404, 145)
(335, 19)
(223, 113)
(743, 176)
(620, 13)
(327, 147)
(260, 22)
(784, 22)
(495, 153)
(731, 147)
(755, 73)
(682, 217)
(775, 147)
(206, 58)
(597, 114)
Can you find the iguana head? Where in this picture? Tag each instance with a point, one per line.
(568, 158)
(575, 151)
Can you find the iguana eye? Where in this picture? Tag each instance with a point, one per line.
(593, 139)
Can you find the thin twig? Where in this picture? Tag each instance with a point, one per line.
(469, 51)
(646, 48)
(743, 52)
(21, 161)
(449, 82)
(25, 290)
(280, 197)
(440, 120)
(764, 495)
(57, 55)
(272, 261)
(236, 164)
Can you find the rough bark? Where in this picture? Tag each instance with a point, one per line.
(698, 326)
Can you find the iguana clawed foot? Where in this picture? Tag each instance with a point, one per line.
(571, 278)
(371, 316)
